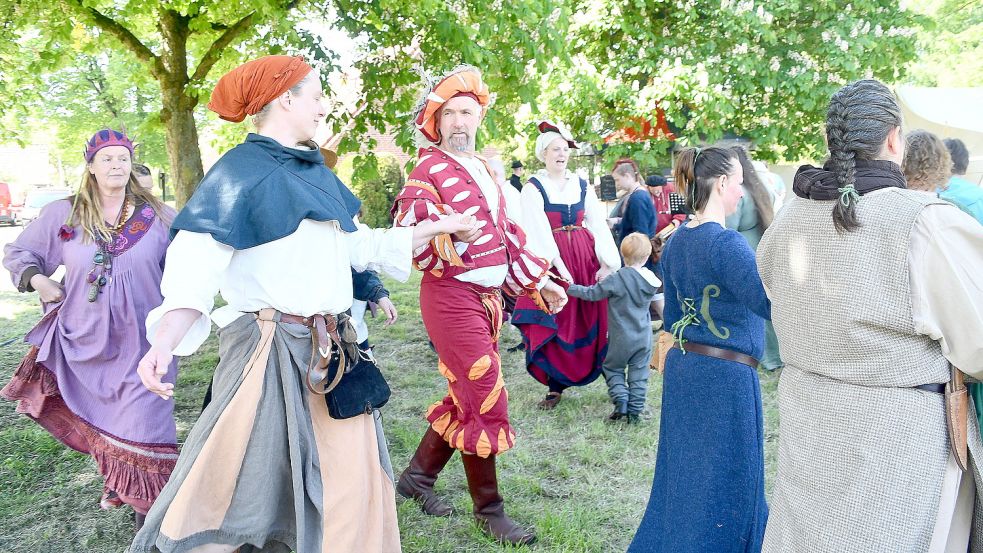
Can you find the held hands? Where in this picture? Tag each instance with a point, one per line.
(463, 227)
(49, 290)
(152, 369)
(602, 273)
(554, 295)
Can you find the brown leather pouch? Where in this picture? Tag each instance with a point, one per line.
(663, 343)
(956, 416)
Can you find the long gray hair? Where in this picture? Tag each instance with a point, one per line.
(860, 116)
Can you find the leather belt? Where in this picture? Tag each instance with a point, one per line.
(719, 353)
(567, 228)
(324, 338)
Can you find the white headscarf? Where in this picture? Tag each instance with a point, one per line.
(550, 131)
(543, 141)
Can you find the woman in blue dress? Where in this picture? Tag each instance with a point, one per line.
(708, 493)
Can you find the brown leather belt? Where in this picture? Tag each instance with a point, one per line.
(567, 228)
(324, 338)
(719, 353)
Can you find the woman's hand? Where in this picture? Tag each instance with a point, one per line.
(603, 273)
(389, 309)
(171, 329)
(152, 369)
(463, 227)
(49, 290)
(555, 296)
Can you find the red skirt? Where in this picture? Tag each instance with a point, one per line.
(463, 321)
(569, 347)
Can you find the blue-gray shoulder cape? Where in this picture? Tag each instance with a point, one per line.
(260, 191)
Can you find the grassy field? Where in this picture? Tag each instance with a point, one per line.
(581, 481)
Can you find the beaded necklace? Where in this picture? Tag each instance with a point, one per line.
(101, 273)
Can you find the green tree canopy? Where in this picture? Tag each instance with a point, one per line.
(949, 50)
(760, 69)
(182, 46)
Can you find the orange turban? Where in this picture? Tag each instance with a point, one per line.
(466, 82)
(247, 88)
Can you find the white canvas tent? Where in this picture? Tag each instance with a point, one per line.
(945, 112)
(948, 113)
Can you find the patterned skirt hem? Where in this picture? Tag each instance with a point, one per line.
(136, 473)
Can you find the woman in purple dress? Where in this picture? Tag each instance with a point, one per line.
(79, 379)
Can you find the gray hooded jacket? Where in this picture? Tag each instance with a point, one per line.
(629, 292)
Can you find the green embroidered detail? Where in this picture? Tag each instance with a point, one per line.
(712, 291)
(848, 194)
(688, 307)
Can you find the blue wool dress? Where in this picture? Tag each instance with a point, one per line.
(709, 488)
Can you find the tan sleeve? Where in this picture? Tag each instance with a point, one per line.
(945, 258)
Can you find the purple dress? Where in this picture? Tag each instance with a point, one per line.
(79, 380)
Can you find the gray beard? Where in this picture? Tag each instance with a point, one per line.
(459, 145)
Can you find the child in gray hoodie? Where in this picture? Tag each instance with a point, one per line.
(629, 292)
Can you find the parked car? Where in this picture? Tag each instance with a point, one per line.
(7, 214)
(38, 198)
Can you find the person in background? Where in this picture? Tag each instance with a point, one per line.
(927, 164)
(565, 224)
(629, 292)
(513, 209)
(773, 181)
(755, 209)
(637, 211)
(79, 379)
(660, 190)
(143, 175)
(513, 206)
(516, 179)
(960, 191)
(754, 213)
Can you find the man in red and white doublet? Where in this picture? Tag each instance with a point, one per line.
(460, 301)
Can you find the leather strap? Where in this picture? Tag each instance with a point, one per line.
(324, 338)
(567, 228)
(719, 353)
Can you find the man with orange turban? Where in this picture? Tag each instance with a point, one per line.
(461, 302)
(282, 448)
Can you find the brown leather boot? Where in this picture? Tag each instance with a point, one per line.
(489, 507)
(418, 479)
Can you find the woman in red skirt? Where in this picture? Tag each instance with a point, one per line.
(565, 224)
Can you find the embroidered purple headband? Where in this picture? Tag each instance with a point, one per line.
(104, 138)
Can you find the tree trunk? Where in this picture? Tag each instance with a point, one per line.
(177, 114)
(183, 152)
